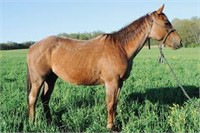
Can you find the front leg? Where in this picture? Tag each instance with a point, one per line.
(112, 93)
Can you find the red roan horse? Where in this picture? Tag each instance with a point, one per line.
(106, 59)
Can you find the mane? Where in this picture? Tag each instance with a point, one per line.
(128, 32)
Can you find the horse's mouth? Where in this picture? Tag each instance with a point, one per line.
(177, 46)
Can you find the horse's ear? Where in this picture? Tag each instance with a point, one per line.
(160, 10)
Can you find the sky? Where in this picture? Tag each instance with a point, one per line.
(33, 20)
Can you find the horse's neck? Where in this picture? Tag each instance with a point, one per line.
(137, 41)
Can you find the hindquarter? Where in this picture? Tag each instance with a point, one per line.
(39, 58)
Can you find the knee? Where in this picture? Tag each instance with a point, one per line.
(110, 105)
(31, 100)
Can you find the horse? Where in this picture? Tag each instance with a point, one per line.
(106, 59)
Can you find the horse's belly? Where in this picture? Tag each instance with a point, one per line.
(78, 77)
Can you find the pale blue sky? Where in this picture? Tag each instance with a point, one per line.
(32, 20)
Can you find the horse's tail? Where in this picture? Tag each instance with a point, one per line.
(28, 83)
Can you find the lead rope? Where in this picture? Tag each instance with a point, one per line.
(162, 58)
(172, 71)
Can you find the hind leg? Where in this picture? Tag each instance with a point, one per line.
(46, 94)
(32, 97)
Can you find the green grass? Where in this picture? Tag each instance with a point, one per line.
(150, 100)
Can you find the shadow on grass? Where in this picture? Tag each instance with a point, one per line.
(165, 96)
(162, 96)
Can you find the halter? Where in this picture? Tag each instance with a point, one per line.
(166, 36)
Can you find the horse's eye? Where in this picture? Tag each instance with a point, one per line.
(167, 23)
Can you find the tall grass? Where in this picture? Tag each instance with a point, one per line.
(150, 100)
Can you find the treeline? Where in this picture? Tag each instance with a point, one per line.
(188, 29)
(25, 45)
(14, 45)
(82, 36)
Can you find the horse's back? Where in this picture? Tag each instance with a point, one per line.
(48, 45)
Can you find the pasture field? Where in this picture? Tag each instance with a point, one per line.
(150, 100)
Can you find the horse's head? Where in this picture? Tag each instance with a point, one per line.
(163, 31)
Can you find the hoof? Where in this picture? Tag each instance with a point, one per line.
(110, 126)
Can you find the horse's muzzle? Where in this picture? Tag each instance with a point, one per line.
(178, 45)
